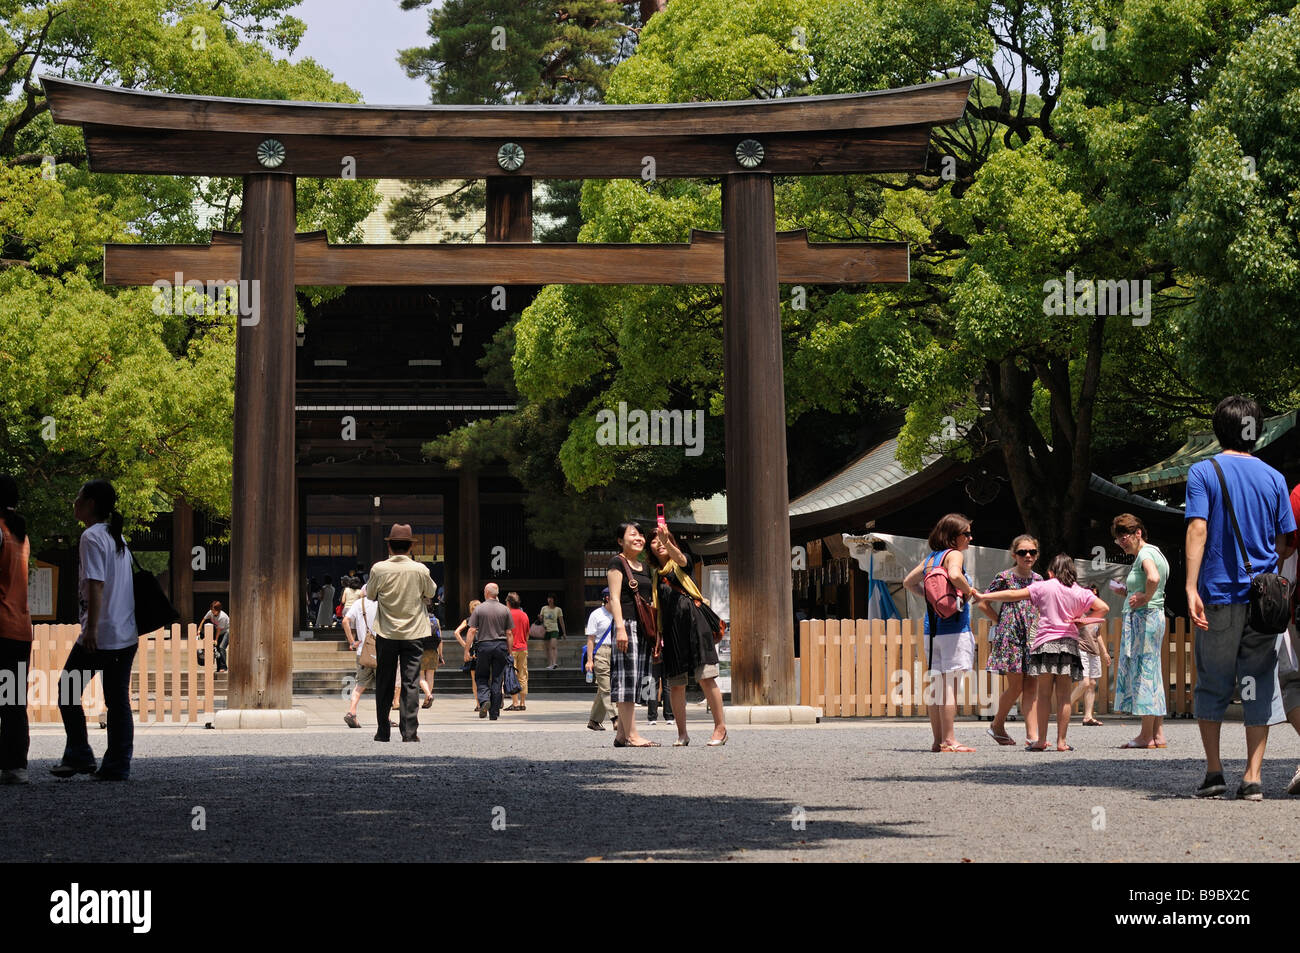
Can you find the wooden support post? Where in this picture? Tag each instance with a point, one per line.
(758, 498)
(468, 584)
(182, 560)
(573, 600)
(509, 208)
(262, 533)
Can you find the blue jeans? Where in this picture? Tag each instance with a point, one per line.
(114, 669)
(223, 643)
(491, 672)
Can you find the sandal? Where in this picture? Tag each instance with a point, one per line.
(648, 744)
(682, 742)
(1000, 739)
(1066, 748)
(950, 749)
(1091, 722)
(1035, 747)
(1133, 744)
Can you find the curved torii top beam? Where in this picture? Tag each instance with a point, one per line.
(148, 132)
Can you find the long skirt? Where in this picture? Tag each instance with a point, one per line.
(1139, 679)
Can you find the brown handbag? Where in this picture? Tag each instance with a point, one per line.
(369, 657)
(1090, 638)
(647, 624)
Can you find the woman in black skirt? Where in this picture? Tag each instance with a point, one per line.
(688, 646)
(629, 668)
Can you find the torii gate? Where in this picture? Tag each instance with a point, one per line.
(270, 143)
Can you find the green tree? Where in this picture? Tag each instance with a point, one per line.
(512, 51)
(1074, 157)
(94, 382)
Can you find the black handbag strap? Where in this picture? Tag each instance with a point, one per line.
(1232, 515)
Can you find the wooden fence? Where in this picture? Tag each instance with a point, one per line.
(856, 668)
(168, 683)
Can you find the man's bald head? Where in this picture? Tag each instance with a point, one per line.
(491, 590)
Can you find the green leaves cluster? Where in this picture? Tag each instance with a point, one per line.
(92, 381)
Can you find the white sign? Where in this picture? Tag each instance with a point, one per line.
(716, 591)
(40, 592)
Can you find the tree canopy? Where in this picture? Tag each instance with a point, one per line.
(94, 382)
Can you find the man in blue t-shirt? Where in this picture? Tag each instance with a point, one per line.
(1230, 652)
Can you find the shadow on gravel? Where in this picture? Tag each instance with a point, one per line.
(400, 808)
(1159, 779)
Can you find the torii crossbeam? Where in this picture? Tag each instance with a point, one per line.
(269, 143)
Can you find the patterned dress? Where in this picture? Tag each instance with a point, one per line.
(1013, 633)
(1139, 688)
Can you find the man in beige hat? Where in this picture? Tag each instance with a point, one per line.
(399, 585)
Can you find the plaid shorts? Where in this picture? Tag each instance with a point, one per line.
(629, 672)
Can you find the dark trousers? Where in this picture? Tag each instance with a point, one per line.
(114, 669)
(15, 656)
(391, 653)
(491, 672)
(223, 643)
(658, 684)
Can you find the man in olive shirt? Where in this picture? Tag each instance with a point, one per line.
(490, 629)
(399, 585)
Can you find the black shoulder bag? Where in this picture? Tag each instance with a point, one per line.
(153, 610)
(1270, 594)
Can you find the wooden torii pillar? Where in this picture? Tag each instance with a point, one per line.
(743, 143)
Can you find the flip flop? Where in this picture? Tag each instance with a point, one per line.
(1066, 748)
(1091, 723)
(1035, 748)
(1000, 739)
(950, 749)
(1130, 744)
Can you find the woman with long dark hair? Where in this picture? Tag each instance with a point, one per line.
(629, 670)
(15, 635)
(107, 642)
(1014, 625)
(951, 645)
(688, 647)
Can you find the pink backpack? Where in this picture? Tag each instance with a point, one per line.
(940, 593)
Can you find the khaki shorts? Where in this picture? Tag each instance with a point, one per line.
(709, 671)
(365, 677)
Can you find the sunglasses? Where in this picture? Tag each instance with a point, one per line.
(1026, 552)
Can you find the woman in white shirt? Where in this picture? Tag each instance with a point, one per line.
(108, 639)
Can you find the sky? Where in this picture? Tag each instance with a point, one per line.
(358, 40)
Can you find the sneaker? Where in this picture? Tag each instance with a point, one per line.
(597, 726)
(1212, 786)
(1294, 786)
(351, 720)
(65, 770)
(1250, 791)
(653, 721)
(13, 776)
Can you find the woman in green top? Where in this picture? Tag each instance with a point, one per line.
(1139, 680)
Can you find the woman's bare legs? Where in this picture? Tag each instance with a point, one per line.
(713, 694)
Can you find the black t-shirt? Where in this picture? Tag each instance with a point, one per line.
(642, 580)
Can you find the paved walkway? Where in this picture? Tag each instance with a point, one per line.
(539, 786)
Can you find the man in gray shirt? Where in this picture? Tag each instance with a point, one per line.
(490, 628)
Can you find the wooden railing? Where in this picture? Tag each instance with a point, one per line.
(856, 668)
(168, 683)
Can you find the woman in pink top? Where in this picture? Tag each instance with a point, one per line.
(1061, 602)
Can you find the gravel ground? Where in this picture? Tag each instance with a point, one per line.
(543, 790)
